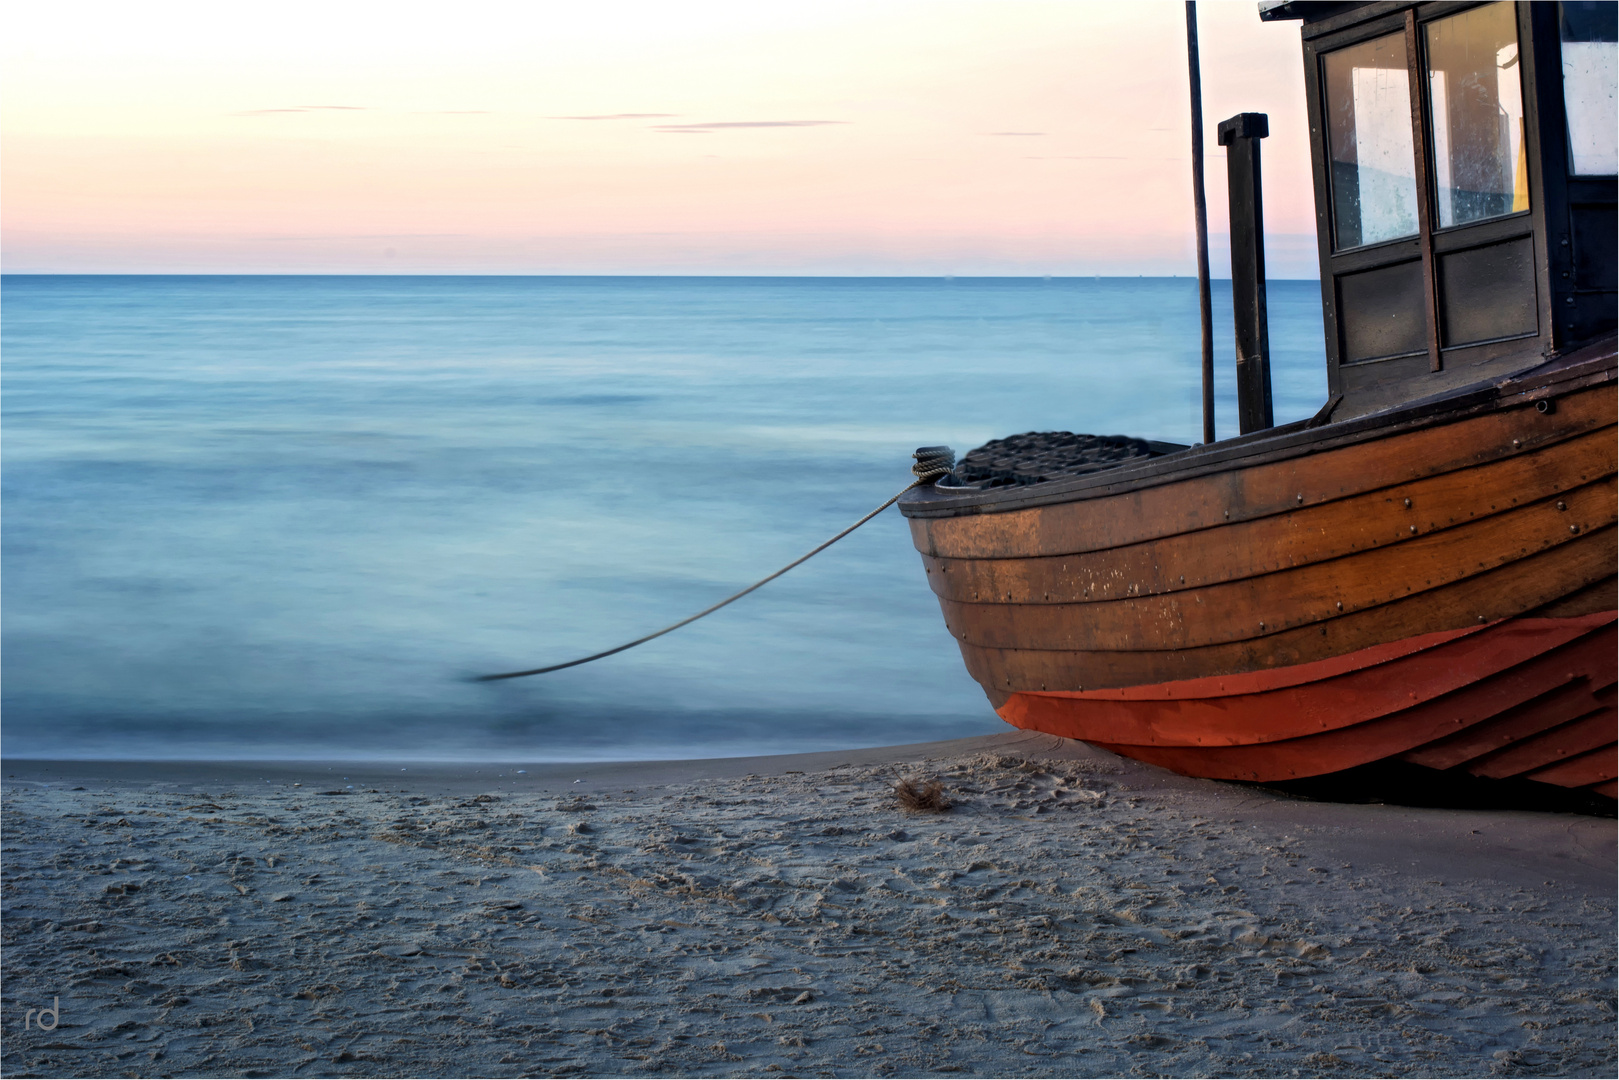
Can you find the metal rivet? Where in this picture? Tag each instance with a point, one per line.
(1515, 442)
(1413, 530)
(1408, 504)
(1340, 605)
(1301, 498)
(1262, 626)
(1561, 505)
(1573, 528)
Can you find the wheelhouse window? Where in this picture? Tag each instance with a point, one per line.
(1590, 42)
(1455, 220)
(1475, 96)
(1374, 180)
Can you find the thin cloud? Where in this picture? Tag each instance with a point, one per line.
(1102, 157)
(619, 116)
(304, 109)
(1017, 133)
(730, 124)
(367, 237)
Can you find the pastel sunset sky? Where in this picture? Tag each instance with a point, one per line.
(774, 137)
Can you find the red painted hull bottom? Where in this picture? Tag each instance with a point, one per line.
(1527, 697)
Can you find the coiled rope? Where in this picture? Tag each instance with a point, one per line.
(932, 462)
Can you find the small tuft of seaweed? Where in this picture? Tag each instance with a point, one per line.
(925, 796)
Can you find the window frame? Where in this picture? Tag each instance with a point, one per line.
(1430, 127)
(1562, 110)
(1387, 28)
(1431, 243)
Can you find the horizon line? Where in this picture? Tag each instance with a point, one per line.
(466, 274)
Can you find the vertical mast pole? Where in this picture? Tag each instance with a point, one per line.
(1201, 206)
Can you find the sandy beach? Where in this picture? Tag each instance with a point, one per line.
(1072, 914)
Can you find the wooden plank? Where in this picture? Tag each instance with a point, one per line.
(1282, 541)
(1558, 378)
(1562, 743)
(1567, 703)
(1502, 593)
(1356, 18)
(1295, 711)
(1243, 493)
(1598, 596)
(1331, 751)
(1610, 788)
(1277, 602)
(1590, 768)
(1258, 682)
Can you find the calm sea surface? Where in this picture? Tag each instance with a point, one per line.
(289, 516)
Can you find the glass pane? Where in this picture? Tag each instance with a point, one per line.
(1374, 174)
(1590, 70)
(1476, 94)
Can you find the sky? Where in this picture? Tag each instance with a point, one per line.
(874, 137)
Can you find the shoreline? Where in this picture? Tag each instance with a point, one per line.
(1520, 845)
(1073, 914)
(471, 774)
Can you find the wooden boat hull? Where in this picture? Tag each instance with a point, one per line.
(1435, 585)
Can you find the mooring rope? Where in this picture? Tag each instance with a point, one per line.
(932, 462)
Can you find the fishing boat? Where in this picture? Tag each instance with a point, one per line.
(1424, 571)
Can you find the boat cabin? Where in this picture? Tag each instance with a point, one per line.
(1464, 158)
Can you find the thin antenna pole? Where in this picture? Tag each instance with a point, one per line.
(1201, 206)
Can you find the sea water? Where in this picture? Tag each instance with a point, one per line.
(291, 516)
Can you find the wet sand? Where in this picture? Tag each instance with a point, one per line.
(1071, 915)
